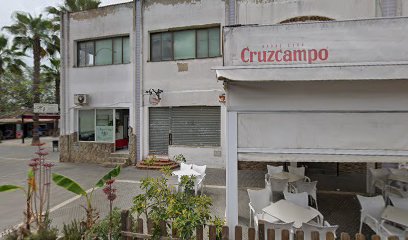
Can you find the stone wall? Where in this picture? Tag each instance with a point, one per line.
(86, 152)
(132, 147)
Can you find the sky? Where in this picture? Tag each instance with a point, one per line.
(7, 7)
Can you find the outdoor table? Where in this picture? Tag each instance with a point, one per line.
(287, 175)
(396, 215)
(287, 212)
(188, 172)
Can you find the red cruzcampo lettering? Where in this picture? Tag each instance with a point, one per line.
(285, 55)
(311, 55)
(323, 54)
(243, 54)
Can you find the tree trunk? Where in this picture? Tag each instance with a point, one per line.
(36, 87)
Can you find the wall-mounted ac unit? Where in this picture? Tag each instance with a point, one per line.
(81, 99)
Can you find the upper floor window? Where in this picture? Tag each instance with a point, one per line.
(185, 44)
(104, 51)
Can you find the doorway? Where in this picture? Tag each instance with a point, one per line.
(121, 128)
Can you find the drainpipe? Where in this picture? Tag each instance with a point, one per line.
(138, 79)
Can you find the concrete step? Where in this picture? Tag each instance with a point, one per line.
(118, 159)
(112, 165)
(125, 155)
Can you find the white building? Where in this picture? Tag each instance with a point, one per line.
(117, 55)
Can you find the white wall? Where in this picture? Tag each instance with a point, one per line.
(195, 87)
(275, 11)
(109, 86)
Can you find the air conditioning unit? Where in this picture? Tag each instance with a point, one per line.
(81, 99)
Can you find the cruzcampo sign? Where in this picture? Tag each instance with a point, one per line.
(335, 42)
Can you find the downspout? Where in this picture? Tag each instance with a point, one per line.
(232, 5)
(138, 79)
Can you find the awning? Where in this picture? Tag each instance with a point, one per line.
(315, 72)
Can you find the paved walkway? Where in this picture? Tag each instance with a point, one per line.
(337, 207)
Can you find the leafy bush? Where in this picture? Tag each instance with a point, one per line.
(73, 231)
(101, 229)
(45, 234)
(185, 210)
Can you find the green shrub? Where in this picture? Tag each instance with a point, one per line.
(101, 229)
(45, 234)
(73, 231)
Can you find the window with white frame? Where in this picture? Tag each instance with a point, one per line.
(96, 125)
(106, 51)
(185, 44)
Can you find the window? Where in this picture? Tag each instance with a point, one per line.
(96, 125)
(186, 44)
(86, 125)
(103, 52)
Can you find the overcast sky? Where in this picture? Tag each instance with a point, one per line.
(7, 7)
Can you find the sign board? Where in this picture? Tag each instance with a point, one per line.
(335, 42)
(104, 133)
(45, 108)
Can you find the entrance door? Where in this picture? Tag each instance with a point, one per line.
(159, 128)
(122, 125)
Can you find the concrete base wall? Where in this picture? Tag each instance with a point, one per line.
(85, 152)
(210, 156)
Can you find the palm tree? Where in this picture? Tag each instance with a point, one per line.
(10, 58)
(32, 33)
(53, 47)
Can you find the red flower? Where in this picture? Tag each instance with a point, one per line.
(38, 144)
(111, 197)
(110, 181)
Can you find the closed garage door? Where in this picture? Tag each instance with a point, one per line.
(189, 126)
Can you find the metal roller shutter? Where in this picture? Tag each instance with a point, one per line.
(159, 127)
(196, 126)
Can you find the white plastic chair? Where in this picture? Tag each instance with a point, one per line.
(371, 210)
(199, 183)
(279, 227)
(309, 187)
(259, 199)
(184, 166)
(308, 228)
(399, 202)
(377, 179)
(300, 199)
(300, 171)
(277, 188)
(396, 192)
(272, 170)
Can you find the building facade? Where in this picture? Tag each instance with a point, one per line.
(140, 74)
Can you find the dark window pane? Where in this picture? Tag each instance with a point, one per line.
(184, 44)
(126, 50)
(103, 52)
(167, 46)
(117, 50)
(86, 125)
(214, 42)
(202, 43)
(156, 47)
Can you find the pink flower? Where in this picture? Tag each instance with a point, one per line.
(41, 153)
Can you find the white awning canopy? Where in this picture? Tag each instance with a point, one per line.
(315, 72)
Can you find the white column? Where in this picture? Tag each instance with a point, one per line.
(232, 173)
